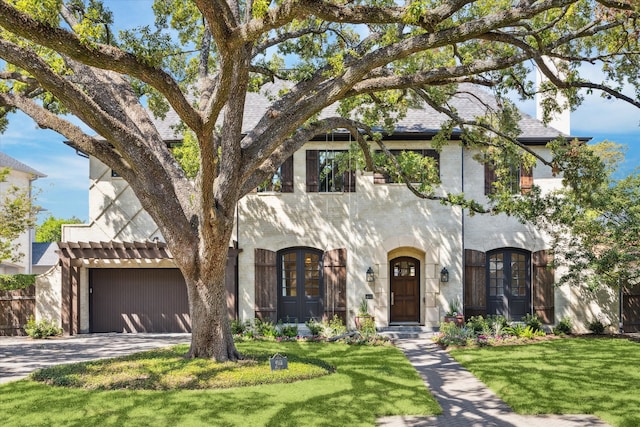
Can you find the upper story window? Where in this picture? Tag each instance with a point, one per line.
(326, 172)
(413, 160)
(281, 181)
(519, 180)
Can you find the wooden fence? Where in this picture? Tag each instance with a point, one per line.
(15, 309)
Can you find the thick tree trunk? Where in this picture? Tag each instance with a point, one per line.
(210, 328)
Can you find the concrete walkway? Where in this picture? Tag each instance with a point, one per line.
(465, 400)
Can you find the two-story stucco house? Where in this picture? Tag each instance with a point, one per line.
(315, 242)
(22, 177)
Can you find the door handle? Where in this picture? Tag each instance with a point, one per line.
(391, 298)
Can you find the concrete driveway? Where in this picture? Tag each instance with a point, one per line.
(19, 356)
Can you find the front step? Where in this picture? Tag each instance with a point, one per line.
(408, 332)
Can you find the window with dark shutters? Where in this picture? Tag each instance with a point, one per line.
(281, 181)
(520, 180)
(324, 174)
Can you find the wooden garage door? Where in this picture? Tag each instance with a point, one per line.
(138, 300)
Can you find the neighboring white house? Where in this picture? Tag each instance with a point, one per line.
(21, 176)
(318, 242)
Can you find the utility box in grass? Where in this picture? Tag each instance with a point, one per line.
(278, 362)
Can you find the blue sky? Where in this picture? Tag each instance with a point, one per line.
(65, 191)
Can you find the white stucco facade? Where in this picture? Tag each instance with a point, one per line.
(375, 224)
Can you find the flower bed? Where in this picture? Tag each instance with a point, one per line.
(493, 330)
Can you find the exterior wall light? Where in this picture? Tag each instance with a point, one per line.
(444, 275)
(370, 276)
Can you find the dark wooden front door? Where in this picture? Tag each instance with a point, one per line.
(405, 290)
(509, 283)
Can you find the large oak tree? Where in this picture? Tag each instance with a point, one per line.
(375, 58)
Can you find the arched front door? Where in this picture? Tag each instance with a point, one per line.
(405, 290)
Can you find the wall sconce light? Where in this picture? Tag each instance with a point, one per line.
(370, 276)
(444, 275)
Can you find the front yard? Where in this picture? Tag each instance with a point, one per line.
(599, 376)
(368, 382)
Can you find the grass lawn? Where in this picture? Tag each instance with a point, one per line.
(368, 382)
(599, 376)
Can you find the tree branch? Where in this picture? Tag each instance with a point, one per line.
(98, 55)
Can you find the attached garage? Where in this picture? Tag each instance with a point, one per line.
(138, 300)
(128, 287)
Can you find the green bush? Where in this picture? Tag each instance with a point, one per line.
(368, 327)
(564, 327)
(479, 324)
(497, 322)
(315, 327)
(10, 282)
(533, 321)
(289, 331)
(451, 334)
(265, 328)
(334, 327)
(516, 330)
(239, 327)
(596, 326)
(42, 329)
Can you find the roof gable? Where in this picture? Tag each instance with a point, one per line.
(7, 161)
(471, 102)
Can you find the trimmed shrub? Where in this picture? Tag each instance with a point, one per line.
(289, 331)
(564, 327)
(533, 321)
(315, 327)
(596, 326)
(42, 329)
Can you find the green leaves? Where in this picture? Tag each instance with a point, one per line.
(17, 214)
(51, 229)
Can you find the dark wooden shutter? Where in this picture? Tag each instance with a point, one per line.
(350, 181)
(489, 178)
(631, 309)
(266, 296)
(543, 289)
(475, 283)
(286, 173)
(526, 179)
(335, 283)
(312, 171)
(231, 282)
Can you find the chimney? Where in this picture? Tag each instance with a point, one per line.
(560, 121)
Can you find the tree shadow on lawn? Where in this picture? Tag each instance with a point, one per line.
(568, 376)
(369, 382)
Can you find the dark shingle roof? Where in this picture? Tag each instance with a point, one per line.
(7, 161)
(468, 103)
